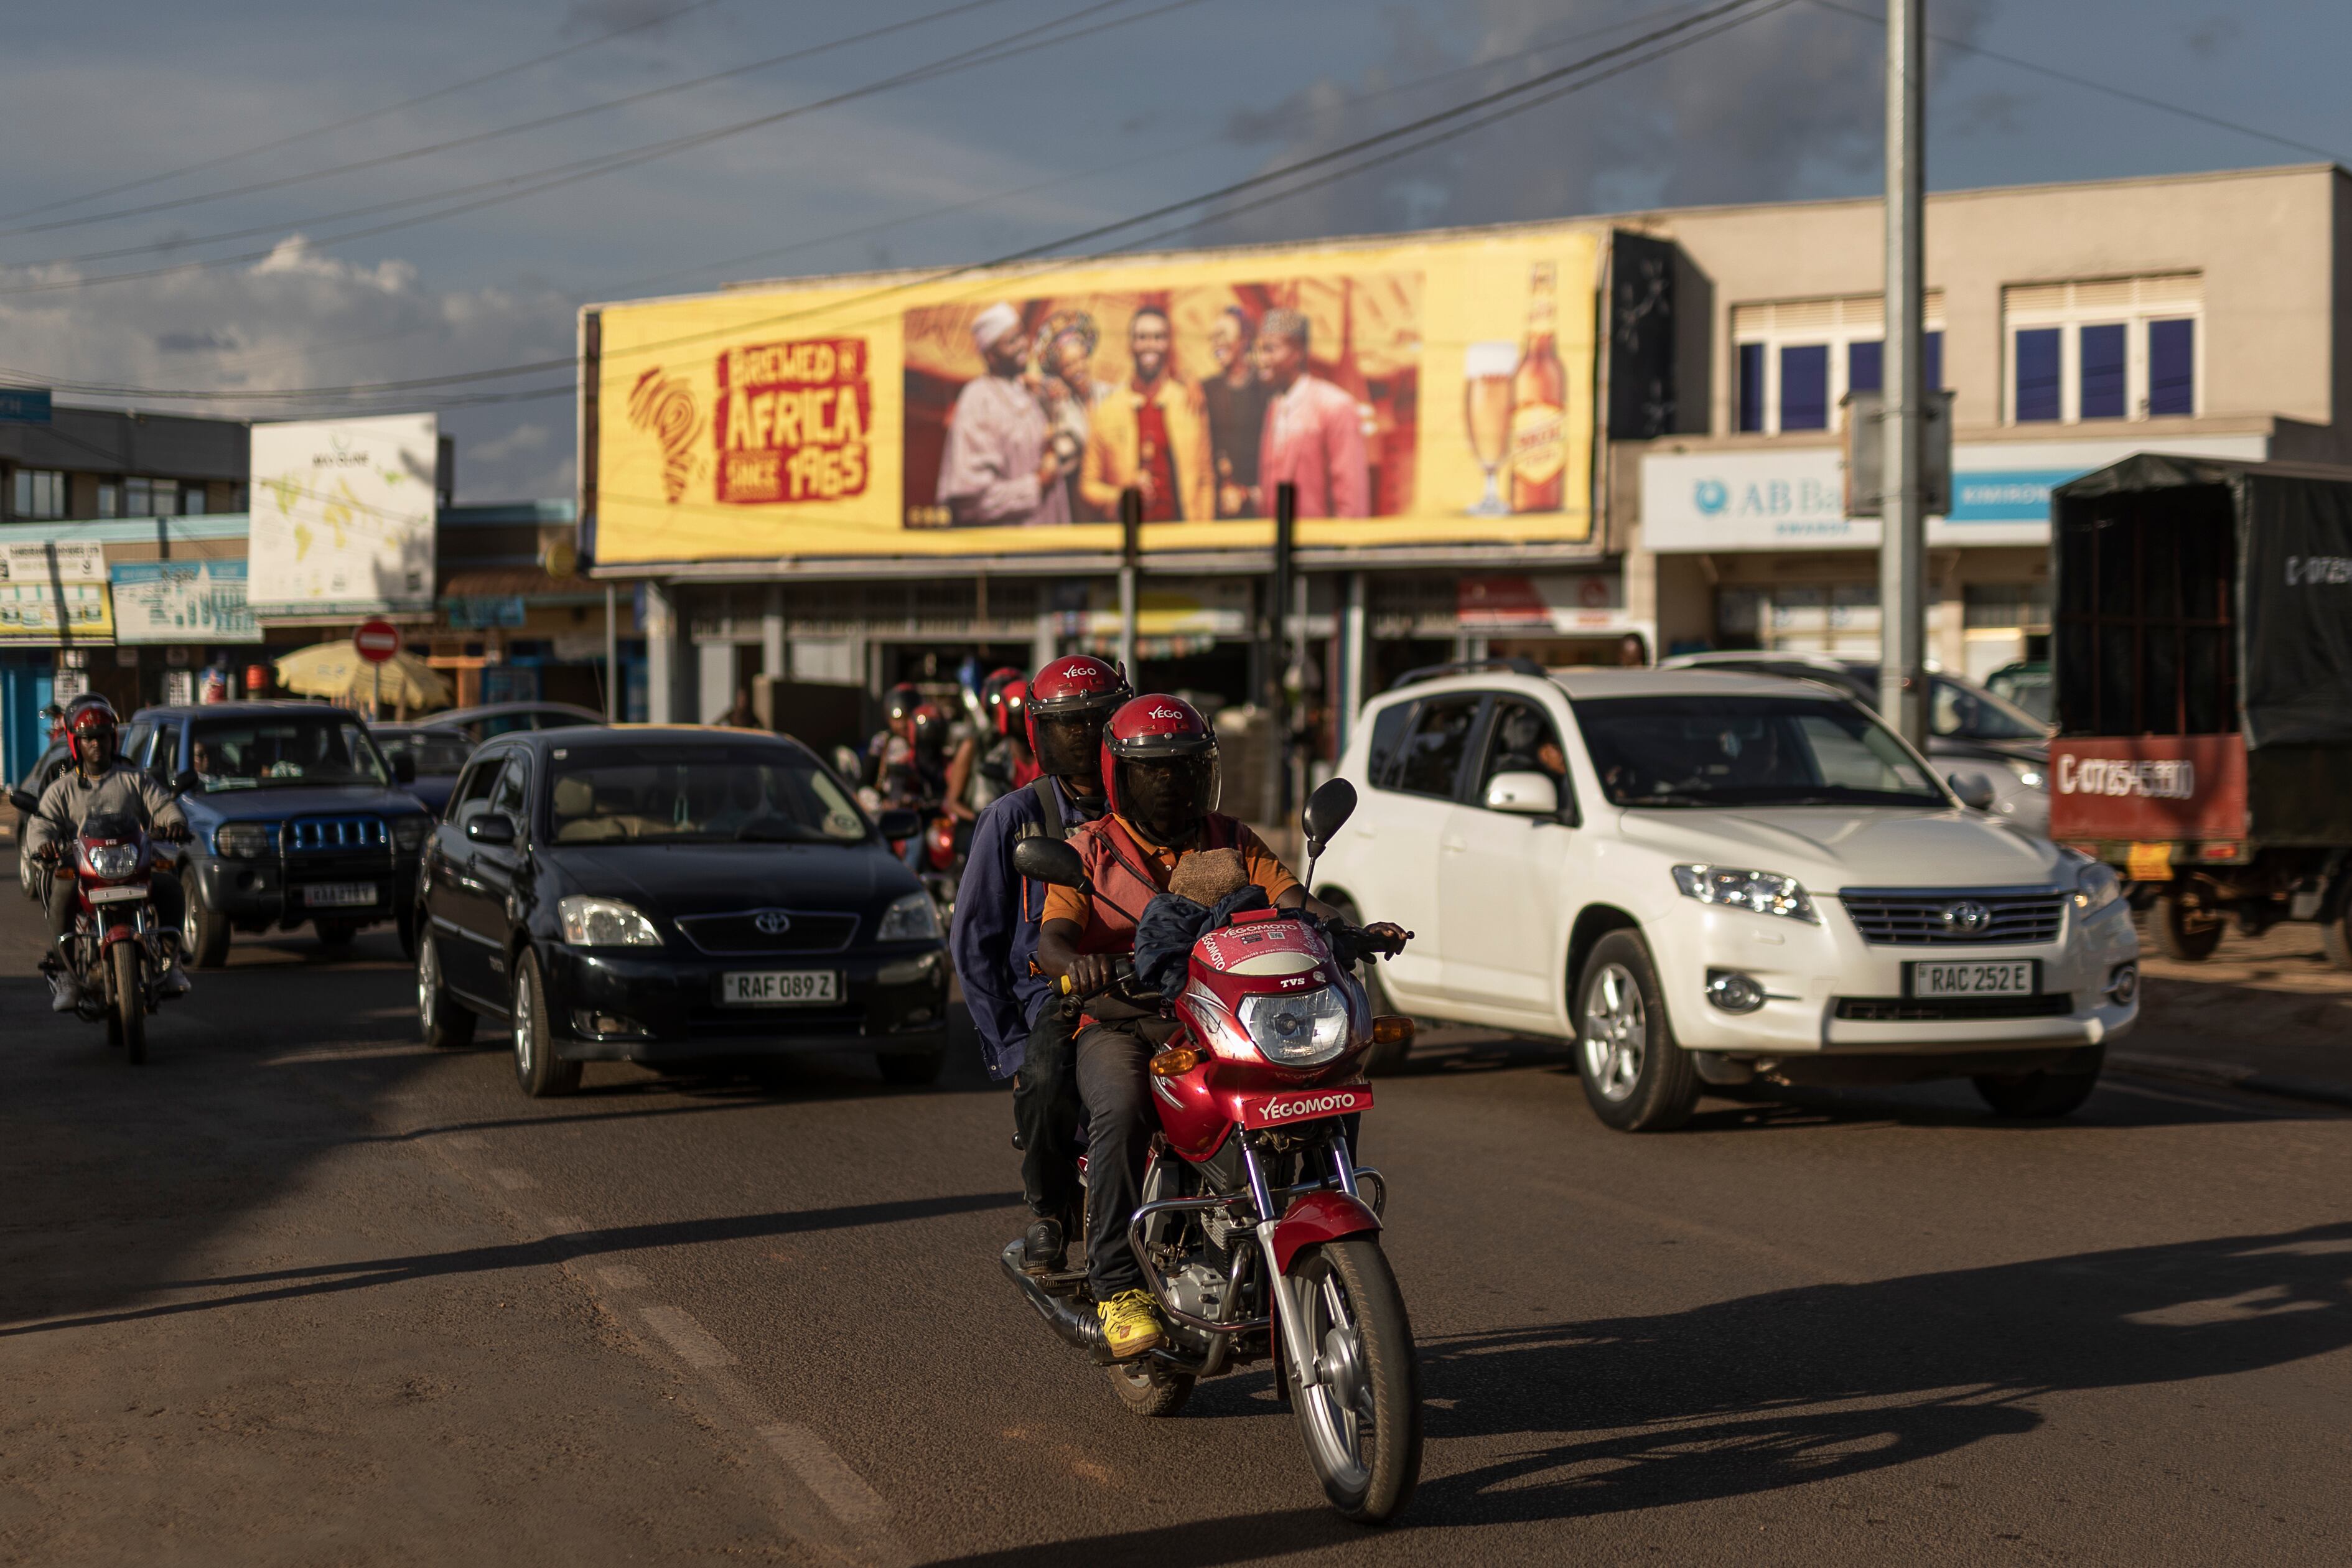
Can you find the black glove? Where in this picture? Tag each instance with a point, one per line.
(174, 832)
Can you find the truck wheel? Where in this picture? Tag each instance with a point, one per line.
(2040, 1095)
(1636, 1077)
(204, 931)
(1379, 1060)
(2181, 933)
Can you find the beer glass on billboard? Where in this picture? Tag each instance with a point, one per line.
(1487, 370)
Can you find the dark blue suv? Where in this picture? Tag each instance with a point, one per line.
(294, 815)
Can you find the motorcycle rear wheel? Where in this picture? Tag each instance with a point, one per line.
(1362, 1425)
(129, 1015)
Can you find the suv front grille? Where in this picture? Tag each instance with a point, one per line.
(1959, 917)
(738, 935)
(335, 835)
(1904, 1010)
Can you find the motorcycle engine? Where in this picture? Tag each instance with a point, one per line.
(1198, 1289)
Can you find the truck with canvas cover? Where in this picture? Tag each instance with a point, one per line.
(2203, 670)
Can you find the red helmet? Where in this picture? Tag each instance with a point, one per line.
(1069, 702)
(91, 731)
(898, 704)
(1013, 708)
(1159, 766)
(992, 696)
(930, 727)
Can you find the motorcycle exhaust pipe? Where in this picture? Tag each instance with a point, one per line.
(1076, 1324)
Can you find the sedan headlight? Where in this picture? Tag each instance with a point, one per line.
(408, 832)
(604, 922)
(1764, 892)
(113, 861)
(245, 840)
(2096, 886)
(910, 919)
(1303, 1030)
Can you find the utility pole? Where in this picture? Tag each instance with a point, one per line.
(1130, 556)
(1278, 656)
(1901, 551)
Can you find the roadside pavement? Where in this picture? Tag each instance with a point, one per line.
(2267, 1014)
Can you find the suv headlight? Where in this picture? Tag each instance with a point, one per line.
(408, 832)
(604, 922)
(2096, 886)
(245, 840)
(1764, 892)
(910, 919)
(1303, 1030)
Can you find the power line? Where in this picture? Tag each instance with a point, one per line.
(318, 130)
(517, 129)
(2143, 100)
(589, 168)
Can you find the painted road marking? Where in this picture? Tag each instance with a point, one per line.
(690, 1339)
(620, 1277)
(512, 1181)
(827, 1474)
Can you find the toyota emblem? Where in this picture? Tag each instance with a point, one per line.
(1968, 918)
(772, 922)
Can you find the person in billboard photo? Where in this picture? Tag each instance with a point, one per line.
(1067, 389)
(999, 465)
(1151, 434)
(1314, 435)
(1235, 399)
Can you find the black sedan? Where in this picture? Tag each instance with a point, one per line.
(661, 895)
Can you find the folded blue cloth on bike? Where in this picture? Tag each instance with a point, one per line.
(1172, 923)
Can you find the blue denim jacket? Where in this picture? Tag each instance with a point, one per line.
(996, 919)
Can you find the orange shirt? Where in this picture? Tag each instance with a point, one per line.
(1267, 873)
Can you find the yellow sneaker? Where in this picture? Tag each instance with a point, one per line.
(1130, 1323)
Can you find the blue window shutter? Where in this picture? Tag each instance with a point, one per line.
(1864, 370)
(2172, 367)
(2102, 351)
(1805, 387)
(2037, 375)
(1751, 387)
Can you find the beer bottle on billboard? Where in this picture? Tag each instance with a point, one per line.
(1539, 404)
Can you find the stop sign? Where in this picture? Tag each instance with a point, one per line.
(377, 641)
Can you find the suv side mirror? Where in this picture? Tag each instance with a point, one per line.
(897, 822)
(1051, 861)
(1328, 810)
(187, 781)
(1529, 794)
(491, 827)
(1975, 790)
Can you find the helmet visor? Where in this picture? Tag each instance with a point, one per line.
(1069, 743)
(1168, 796)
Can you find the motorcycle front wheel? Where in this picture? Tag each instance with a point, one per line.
(130, 1011)
(1362, 1421)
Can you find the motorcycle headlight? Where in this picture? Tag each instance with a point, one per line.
(1764, 892)
(113, 861)
(408, 832)
(1300, 1031)
(243, 840)
(910, 919)
(604, 922)
(2096, 886)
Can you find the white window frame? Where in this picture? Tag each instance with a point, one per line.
(1836, 324)
(26, 482)
(2128, 302)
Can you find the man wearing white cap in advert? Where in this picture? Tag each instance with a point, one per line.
(999, 465)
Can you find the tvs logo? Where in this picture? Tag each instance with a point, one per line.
(793, 421)
(1967, 918)
(2149, 779)
(772, 922)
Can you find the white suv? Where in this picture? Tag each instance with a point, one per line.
(1707, 878)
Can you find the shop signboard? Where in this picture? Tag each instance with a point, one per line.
(182, 602)
(1793, 499)
(54, 591)
(343, 516)
(1426, 392)
(1586, 602)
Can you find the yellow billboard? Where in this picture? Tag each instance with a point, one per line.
(1432, 392)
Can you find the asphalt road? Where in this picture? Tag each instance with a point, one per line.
(299, 1291)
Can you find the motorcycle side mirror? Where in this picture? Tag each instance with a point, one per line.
(1050, 861)
(1328, 810)
(187, 781)
(22, 799)
(491, 827)
(898, 822)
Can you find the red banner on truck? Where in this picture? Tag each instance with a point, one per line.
(2164, 788)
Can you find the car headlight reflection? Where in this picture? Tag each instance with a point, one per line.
(1301, 1031)
(1763, 892)
(909, 919)
(604, 922)
(408, 832)
(2096, 886)
(2033, 776)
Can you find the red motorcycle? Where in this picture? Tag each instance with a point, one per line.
(115, 948)
(1257, 1236)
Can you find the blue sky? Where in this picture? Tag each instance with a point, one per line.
(1164, 98)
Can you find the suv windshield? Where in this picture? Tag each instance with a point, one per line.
(284, 749)
(438, 754)
(1748, 751)
(674, 795)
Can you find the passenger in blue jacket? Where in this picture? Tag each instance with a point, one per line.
(994, 943)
